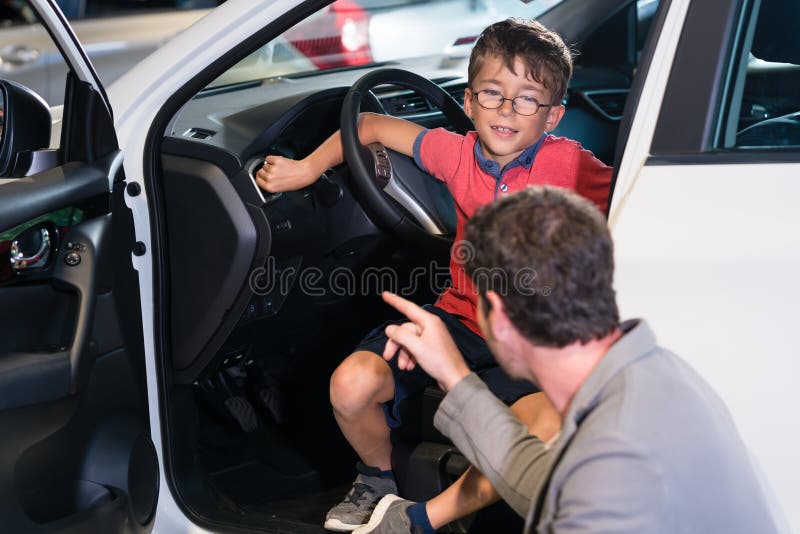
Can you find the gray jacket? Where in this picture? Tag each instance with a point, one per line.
(646, 446)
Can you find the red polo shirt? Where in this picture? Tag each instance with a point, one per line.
(474, 181)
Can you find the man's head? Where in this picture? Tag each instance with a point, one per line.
(547, 254)
(518, 75)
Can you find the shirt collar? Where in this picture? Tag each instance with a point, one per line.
(637, 341)
(523, 160)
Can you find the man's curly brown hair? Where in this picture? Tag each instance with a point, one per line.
(556, 258)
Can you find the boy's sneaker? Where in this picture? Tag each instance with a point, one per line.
(360, 501)
(390, 517)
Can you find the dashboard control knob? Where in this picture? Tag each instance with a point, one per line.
(72, 259)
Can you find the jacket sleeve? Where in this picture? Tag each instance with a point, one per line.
(494, 441)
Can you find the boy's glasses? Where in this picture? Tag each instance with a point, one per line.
(524, 105)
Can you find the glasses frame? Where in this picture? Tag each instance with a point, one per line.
(513, 101)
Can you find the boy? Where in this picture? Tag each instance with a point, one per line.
(517, 77)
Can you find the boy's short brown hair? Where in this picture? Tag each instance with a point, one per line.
(547, 59)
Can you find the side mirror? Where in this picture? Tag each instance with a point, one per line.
(25, 124)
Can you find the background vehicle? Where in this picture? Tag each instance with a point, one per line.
(466, 19)
(116, 35)
(187, 333)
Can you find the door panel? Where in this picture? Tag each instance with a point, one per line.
(76, 453)
(61, 187)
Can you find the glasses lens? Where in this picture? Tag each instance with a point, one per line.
(526, 105)
(490, 100)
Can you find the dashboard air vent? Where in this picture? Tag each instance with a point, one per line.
(199, 133)
(404, 104)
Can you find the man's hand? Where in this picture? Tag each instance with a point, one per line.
(424, 341)
(283, 174)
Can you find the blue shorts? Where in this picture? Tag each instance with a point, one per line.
(472, 347)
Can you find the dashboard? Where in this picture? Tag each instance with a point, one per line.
(268, 259)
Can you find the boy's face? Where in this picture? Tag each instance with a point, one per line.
(504, 133)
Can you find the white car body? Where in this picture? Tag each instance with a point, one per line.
(708, 254)
(425, 18)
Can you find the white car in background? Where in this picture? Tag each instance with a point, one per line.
(168, 329)
(444, 26)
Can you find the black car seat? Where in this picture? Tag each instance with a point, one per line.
(425, 462)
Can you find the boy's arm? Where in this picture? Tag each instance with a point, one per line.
(284, 174)
(491, 437)
(498, 444)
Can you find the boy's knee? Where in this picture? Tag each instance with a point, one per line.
(359, 380)
(539, 414)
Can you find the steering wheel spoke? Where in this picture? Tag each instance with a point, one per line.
(396, 193)
(393, 184)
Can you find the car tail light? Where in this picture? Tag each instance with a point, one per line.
(337, 37)
(461, 41)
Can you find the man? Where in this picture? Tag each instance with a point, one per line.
(645, 444)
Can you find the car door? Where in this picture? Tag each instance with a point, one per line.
(76, 453)
(704, 213)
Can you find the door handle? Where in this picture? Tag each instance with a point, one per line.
(18, 55)
(20, 262)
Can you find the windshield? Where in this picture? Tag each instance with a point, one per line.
(359, 32)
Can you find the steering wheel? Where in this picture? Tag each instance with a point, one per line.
(396, 193)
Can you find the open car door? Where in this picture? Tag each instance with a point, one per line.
(76, 453)
(704, 217)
